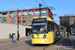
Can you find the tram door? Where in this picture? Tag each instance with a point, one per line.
(28, 30)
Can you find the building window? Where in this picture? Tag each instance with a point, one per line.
(25, 13)
(65, 19)
(19, 13)
(29, 24)
(30, 12)
(12, 22)
(37, 12)
(12, 14)
(24, 17)
(30, 17)
(12, 18)
(24, 24)
(24, 21)
(18, 21)
(4, 15)
(30, 21)
(44, 11)
(18, 18)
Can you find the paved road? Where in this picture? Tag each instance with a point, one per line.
(25, 44)
(72, 40)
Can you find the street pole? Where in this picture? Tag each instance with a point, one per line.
(54, 16)
(40, 9)
(60, 29)
(17, 25)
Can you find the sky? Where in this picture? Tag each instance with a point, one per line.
(62, 7)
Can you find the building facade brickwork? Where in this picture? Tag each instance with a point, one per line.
(25, 15)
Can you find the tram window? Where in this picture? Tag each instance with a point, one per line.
(53, 26)
(50, 26)
(55, 29)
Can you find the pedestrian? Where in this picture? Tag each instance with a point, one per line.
(18, 36)
(14, 38)
(10, 36)
(68, 34)
(28, 34)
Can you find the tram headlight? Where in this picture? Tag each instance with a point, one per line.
(44, 36)
(32, 36)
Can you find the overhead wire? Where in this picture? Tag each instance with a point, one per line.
(44, 3)
(39, 3)
(47, 6)
(17, 4)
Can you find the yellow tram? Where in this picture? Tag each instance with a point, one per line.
(45, 30)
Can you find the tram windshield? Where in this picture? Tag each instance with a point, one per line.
(39, 28)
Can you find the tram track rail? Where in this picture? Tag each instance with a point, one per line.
(60, 44)
(45, 47)
(40, 46)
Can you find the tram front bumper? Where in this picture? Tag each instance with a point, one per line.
(40, 41)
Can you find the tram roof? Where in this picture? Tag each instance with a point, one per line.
(48, 18)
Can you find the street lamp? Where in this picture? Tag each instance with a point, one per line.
(40, 9)
(17, 25)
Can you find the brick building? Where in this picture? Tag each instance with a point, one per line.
(67, 20)
(25, 15)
